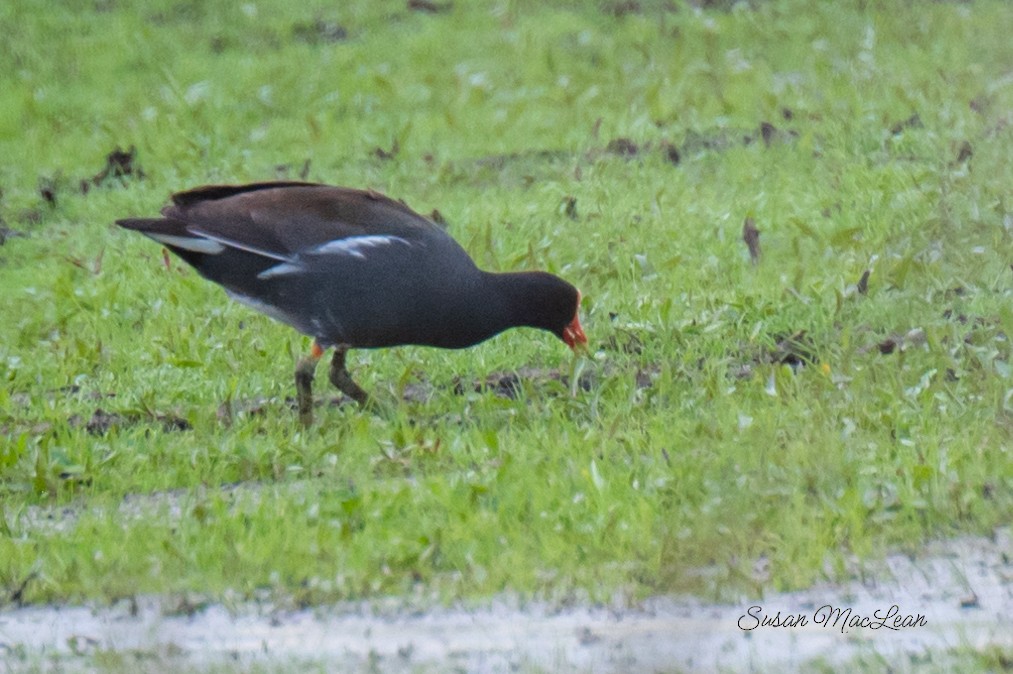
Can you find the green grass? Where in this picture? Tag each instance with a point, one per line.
(960, 658)
(501, 112)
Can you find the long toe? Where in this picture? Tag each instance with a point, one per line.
(343, 381)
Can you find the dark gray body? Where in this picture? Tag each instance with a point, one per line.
(351, 267)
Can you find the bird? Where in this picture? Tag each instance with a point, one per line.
(352, 269)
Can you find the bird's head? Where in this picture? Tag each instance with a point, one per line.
(573, 334)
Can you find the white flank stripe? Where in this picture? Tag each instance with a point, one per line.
(353, 245)
(191, 243)
(280, 270)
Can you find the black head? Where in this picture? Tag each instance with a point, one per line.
(542, 300)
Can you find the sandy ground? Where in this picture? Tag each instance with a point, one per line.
(963, 590)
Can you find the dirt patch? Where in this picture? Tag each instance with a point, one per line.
(692, 143)
(506, 384)
(429, 7)
(319, 31)
(511, 384)
(623, 340)
(7, 233)
(99, 422)
(796, 350)
(501, 161)
(624, 147)
(695, 142)
(898, 342)
(102, 422)
(956, 594)
(387, 155)
(912, 122)
(120, 164)
(719, 140)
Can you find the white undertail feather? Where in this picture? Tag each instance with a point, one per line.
(280, 257)
(194, 244)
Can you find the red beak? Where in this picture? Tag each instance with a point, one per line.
(573, 334)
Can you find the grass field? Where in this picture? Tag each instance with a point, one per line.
(738, 426)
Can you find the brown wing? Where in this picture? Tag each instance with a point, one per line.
(282, 219)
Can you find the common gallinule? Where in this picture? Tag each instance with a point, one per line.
(352, 269)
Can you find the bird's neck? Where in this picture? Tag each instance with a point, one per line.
(508, 298)
(489, 304)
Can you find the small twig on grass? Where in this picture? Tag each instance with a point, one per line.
(863, 283)
(751, 235)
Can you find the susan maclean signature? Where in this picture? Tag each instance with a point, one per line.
(832, 617)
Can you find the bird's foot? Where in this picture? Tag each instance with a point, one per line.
(343, 381)
(304, 373)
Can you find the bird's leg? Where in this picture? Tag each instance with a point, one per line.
(304, 372)
(343, 380)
